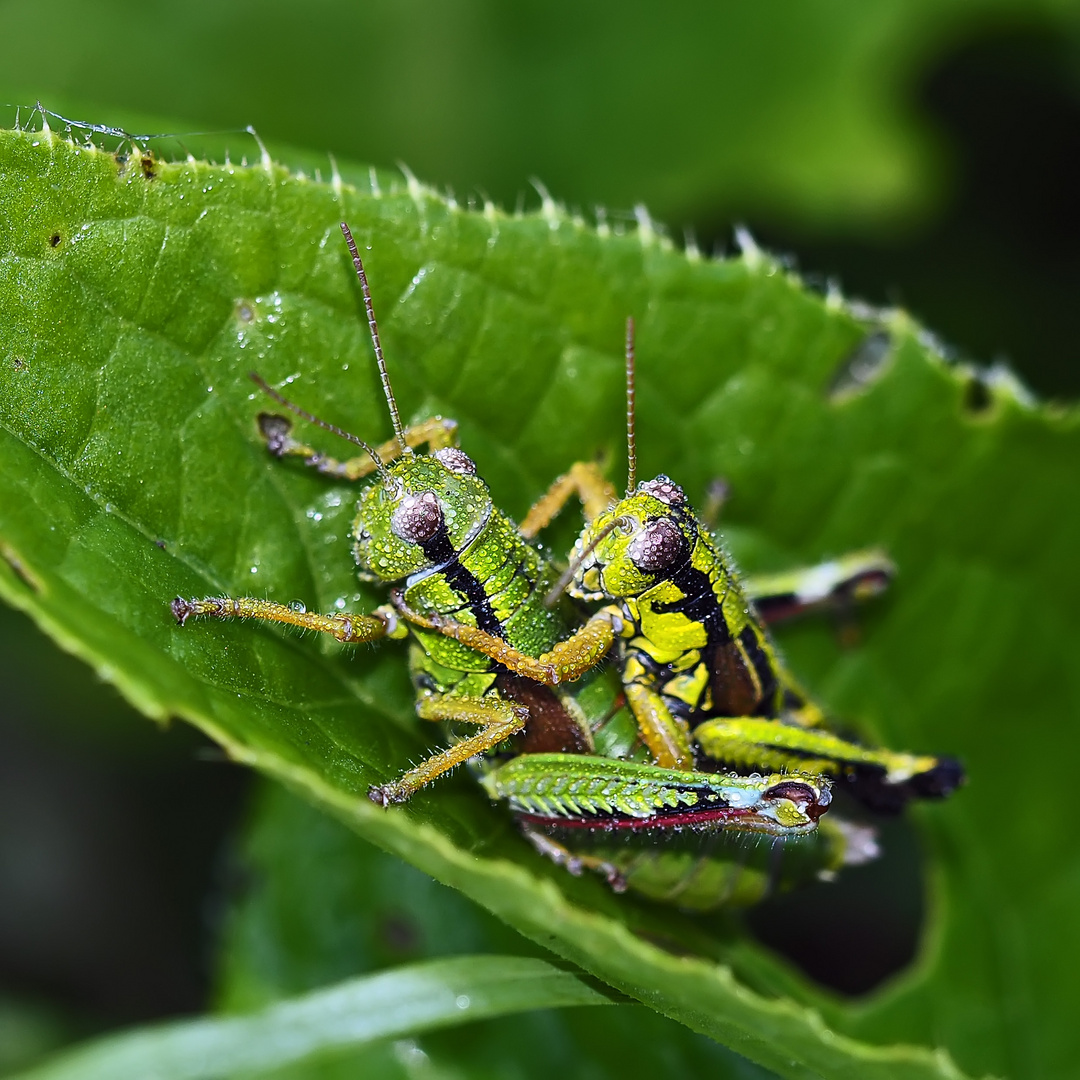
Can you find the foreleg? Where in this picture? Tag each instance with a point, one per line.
(567, 661)
(350, 629)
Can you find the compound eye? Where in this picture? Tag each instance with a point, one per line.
(456, 460)
(657, 546)
(664, 489)
(808, 801)
(418, 518)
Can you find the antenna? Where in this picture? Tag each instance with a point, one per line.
(395, 418)
(266, 388)
(576, 563)
(631, 440)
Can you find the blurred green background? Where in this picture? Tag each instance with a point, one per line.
(917, 153)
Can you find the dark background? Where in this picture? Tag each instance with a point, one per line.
(913, 160)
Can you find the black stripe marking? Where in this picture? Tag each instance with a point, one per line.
(765, 673)
(441, 553)
(699, 602)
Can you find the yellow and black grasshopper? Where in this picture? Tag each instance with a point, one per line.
(552, 732)
(548, 726)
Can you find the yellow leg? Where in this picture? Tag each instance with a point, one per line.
(437, 433)
(769, 744)
(567, 661)
(498, 721)
(583, 480)
(351, 629)
(666, 736)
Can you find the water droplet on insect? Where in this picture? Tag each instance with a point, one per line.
(298, 606)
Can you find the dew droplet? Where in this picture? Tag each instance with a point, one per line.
(298, 606)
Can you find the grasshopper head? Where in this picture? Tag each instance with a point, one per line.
(791, 805)
(423, 511)
(643, 539)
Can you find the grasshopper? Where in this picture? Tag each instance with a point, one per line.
(699, 670)
(557, 755)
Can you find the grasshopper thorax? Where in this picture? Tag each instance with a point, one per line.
(643, 539)
(419, 515)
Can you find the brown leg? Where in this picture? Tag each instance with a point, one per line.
(583, 480)
(561, 855)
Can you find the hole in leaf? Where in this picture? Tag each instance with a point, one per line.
(977, 396)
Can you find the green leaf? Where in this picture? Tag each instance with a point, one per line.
(135, 296)
(439, 993)
(322, 905)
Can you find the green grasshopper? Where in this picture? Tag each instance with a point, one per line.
(559, 756)
(699, 670)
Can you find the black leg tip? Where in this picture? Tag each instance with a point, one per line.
(942, 780)
(384, 796)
